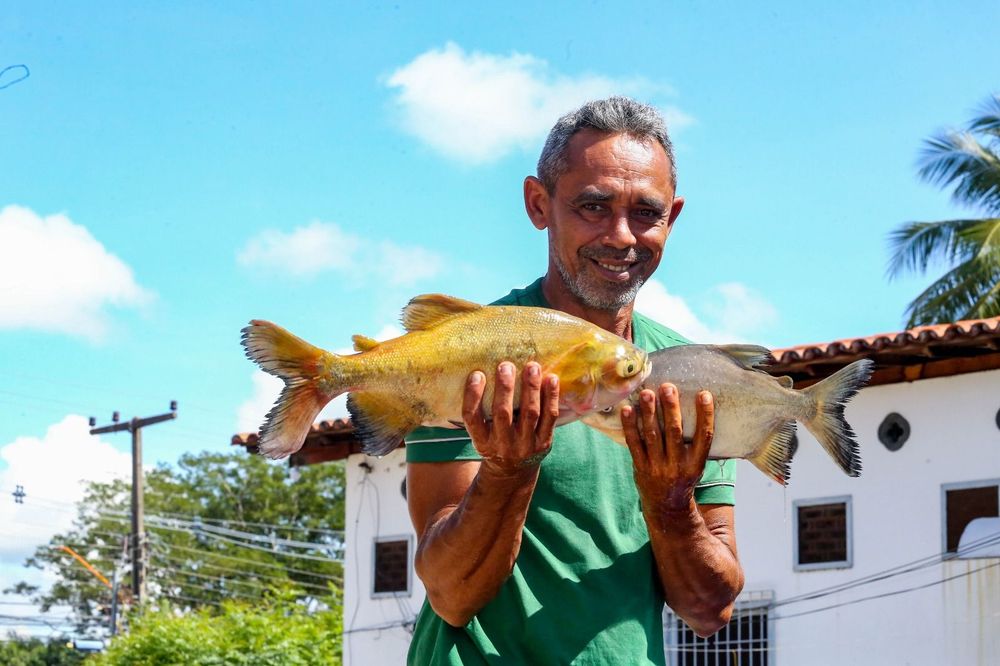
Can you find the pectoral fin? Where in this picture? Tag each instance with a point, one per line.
(774, 456)
(381, 420)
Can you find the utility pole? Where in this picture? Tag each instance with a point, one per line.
(138, 536)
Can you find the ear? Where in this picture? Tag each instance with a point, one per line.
(675, 209)
(536, 202)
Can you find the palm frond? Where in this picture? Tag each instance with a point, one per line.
(988, 121)
(916, 244)
(958, 159)
(966, 291)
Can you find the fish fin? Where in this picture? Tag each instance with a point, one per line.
(828, 425)
(430, 310)
(785, 381)
(457, 424)
(381, 420)
(363, 343)
(749, 356)
(774, 456)
(297, 363)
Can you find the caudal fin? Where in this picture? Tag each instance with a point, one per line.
(829, 426)
(299, 364)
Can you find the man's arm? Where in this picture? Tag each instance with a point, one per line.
(694, 546)
(468, 515)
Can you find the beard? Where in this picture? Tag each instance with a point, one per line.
(594, 291)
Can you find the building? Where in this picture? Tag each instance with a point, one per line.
(869, 570)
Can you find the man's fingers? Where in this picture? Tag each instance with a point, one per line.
(704, 428)
(649, 426)
(531, 402)
(472, 412)
(673, 428)
(503, 404)
(630, 426)
(550, 410)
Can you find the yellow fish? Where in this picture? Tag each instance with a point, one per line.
(419, 378)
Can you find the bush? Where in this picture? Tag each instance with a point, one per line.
(275, 633)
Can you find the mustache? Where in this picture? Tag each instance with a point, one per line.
(629, 256)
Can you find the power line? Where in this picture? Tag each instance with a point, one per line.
(888, 594)
(266, 565)
(255, 575)
(898, 570)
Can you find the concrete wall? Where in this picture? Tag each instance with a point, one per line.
(897, 518)
(376, 629)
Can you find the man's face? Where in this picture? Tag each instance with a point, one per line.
(609, 217)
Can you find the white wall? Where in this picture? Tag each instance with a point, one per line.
(897, 518)
(375, 507)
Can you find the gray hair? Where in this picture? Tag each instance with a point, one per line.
(614, 115)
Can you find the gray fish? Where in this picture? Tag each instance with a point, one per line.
(755, 413)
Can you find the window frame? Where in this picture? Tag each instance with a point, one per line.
(848, 528)
(408, 538)
(961, 485)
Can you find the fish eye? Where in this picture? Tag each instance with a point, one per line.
(608, 409)
(627, 368)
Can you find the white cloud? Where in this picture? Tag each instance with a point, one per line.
(477, 107)
(57, 277)
(266, 388)
(53, 471)
(320, 247)
(305, 251)
(730, 313)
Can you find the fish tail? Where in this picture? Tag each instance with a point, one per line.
(828, 424)
(309, 384)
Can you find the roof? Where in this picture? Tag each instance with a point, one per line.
(923, 352)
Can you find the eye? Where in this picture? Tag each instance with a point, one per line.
(627, 368)
(608, 410)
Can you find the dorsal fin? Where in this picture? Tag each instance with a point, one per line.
(430, 310)
(749, 356)
(363, 343)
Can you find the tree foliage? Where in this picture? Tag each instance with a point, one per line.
(969, 161)
(219, 528)
(34, 652)
(277, 632)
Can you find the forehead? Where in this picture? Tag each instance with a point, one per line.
(615, 160)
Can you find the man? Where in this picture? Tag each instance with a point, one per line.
(542, 547)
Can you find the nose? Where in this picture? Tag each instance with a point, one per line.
(620, 235)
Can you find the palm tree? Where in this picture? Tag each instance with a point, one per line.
(969, 160)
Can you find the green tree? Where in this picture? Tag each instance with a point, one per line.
(221, 527)
(969, 160)
(277, 632)
(34, 652)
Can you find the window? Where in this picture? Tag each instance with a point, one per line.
(822, 538)
(963, 503)
(391, 566)
(744, 641)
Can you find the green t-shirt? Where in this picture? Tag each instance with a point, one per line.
(584, 588)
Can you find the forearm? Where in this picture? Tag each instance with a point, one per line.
(467, 551)
(697, 565)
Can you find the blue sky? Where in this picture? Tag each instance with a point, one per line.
(168, 173)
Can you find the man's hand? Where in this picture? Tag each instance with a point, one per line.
(694, 545)
(667, 467)
(507, 444)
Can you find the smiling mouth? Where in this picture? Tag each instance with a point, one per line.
(614, 267)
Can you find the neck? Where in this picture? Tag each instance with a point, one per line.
(618, 322)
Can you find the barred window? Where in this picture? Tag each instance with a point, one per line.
(745, 641)
(822, 533)
(391, 566)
